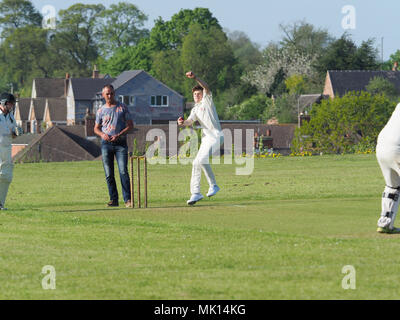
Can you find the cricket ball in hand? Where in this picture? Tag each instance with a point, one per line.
(180, 119)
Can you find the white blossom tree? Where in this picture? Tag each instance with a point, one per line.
(287, 60)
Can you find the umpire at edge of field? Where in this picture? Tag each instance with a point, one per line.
(113, 121)
(8, 130)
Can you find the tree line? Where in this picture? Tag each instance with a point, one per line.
(248, 82)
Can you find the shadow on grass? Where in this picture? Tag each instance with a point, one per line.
(69, 207)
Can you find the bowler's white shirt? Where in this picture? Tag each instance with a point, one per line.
(206, 114)
(390, 134)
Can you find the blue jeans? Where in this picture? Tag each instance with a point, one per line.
(120, 151)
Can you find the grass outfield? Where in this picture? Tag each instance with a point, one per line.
(285, 232)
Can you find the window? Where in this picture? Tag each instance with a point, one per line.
(128, 100)
(164, 100)
(159, 101)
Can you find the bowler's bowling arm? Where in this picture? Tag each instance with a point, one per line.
(187, 123)
(203, 84)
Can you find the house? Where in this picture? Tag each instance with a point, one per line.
(35, 117)
(55, 112)
(60, 143)
(81, 95)
(305, 102)
(21, 113)
(43, 89)
(78, 94)
(338, 83)
(149, 100)
(48, 88)
(21, 142)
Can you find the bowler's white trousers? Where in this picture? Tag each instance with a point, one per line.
(388, 157)
(209, 145)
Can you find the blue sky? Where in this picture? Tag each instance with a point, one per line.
(260, 19)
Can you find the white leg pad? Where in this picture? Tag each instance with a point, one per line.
(390, 206)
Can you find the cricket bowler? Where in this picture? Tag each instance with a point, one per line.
(205, 113)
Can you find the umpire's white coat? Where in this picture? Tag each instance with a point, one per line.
(7, 125)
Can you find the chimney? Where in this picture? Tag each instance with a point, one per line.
(96, 73)
(89, 124)
(66, 83)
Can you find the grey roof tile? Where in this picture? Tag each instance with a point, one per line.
(49, 87)
(356, 80)
(57, 108)
(86, 88)
(23, 105)
(124, 77)
(306, 100)
(38, 107)
(26, 138)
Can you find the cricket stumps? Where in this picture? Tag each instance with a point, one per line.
(132, 160)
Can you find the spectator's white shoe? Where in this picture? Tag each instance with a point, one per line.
(213, 191)
(194, 198)
(2, 208)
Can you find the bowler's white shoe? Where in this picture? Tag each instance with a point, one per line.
(194, 198)
(213, 191)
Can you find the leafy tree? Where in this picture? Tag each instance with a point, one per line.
(295, 84)
(366, 57)
(16, 14)
(279, 63)
(167, 68)
(164, 36)
(122, 26)
(395, 57)
(26, 55)
(338, 125)
(233, 96)
(343, 54)
(129, 58)
(305, 38)
(250, 109)
(209, 55)
(339, 55)
(76, 38)
(380, 85)
(246, 52)
(170, 34)
(284, 108)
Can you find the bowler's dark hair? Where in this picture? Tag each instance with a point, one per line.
(197, 88)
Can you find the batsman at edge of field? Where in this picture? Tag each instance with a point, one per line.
(8, 130)
(205, 113)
